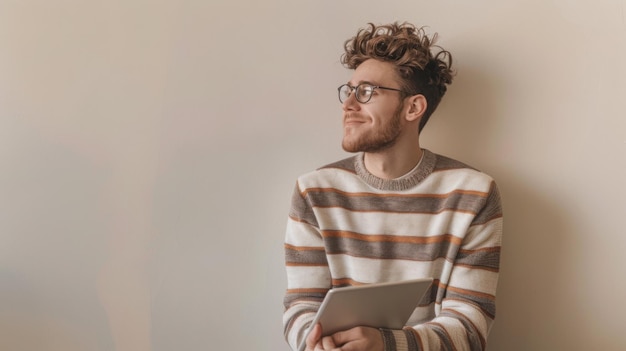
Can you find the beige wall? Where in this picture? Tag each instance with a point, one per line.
(148, 150)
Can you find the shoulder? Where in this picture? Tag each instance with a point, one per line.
(444, 163)
(329, 174)
(453, 174)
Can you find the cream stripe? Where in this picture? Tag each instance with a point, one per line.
(371, 270)
(482, 236)
(441, 182)
(308, 277)
(401, 224)
(466, 278)
(303, 234)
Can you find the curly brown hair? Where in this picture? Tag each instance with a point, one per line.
(424, 68)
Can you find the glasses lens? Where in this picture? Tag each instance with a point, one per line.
(344, 92)
(364, 93)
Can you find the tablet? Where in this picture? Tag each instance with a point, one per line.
(381, 305)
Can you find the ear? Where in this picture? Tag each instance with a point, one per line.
(417, 107)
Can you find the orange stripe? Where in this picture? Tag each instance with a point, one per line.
(399, 212)
(392, 238)
(304, 291)
(483, 268)
(303, 248)
(468, 292)
(297, 264)
(299, 220)
(346, 281)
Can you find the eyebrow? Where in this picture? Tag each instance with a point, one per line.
(363, 82)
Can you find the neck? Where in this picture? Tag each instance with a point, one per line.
(394, 162)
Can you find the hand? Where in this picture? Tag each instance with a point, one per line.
(359, 339)
(355, 339)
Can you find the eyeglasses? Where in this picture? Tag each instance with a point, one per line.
(363, 91)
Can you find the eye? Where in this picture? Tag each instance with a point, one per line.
(364, 92)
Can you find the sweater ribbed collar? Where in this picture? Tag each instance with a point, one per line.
(423, 169)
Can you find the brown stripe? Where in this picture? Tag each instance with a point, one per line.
(492, 207)
(413, 339)
(475, 338)
(488, 258)
(392, 238)
(389, 341)
(445, 163)
(488, 307)
(346, 164)
(430, 203)
(444, 337)
(305, 256)
(300, 209)
(475, 294)
(414, 251)
(377, 195)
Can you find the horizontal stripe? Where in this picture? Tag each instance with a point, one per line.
(343, 282)
(370, 271)
(488, 258)
(486, 304)
(305, 256)
(303, 248)
(456, 201)
(465, 278)
(385, 238)
(428, 249)
(307, 277)
(484, 235)
(302, 234)
(391, 195)
(399, 224)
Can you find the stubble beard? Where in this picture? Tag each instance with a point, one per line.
(376, 141)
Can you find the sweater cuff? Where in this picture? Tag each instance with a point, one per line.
(396, 340)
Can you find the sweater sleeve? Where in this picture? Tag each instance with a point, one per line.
(467, 309)
(308, 276)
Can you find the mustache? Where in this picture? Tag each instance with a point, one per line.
(350, 115)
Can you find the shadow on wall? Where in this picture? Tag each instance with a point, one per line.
(529, 291)
(468, 127)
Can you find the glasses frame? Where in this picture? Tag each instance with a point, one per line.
(358, 87)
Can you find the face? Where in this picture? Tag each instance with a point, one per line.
(377, 124)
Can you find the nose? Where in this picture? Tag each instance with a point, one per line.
(351, 104)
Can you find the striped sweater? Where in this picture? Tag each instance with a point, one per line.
(441, 220)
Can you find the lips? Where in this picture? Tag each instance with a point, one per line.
(351, 120)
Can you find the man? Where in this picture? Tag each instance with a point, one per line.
(394, 211)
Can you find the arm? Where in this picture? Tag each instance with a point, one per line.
(308, 276)
(467, 302)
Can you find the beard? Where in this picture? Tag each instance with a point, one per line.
(376, 140)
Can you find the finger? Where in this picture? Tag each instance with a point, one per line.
(328, 343)
(314, 337)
